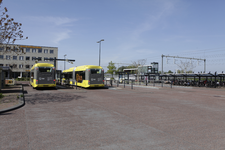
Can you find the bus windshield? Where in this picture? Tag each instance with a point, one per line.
(45, 69)
(96, 71)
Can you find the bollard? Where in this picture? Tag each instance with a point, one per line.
(161, 84)
(131, 84)
(117, 83)
(124, 83)
(146, 83)
(111, 82)
(154, 82)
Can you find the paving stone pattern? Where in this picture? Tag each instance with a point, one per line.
(11, 97)
(117, 119)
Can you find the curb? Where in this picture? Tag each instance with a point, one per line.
(21, 103)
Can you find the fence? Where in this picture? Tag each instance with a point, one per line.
(166, 83)
(193, 79)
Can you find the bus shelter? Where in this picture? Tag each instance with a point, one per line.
(200, 79)
(122, 76)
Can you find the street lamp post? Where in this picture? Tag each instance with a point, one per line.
(64, 62)
(100, 49)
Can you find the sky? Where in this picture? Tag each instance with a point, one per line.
(132, 30)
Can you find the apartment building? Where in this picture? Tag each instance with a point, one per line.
(21, 62)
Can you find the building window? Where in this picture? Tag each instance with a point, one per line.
(45, 51)
(7, 57)
(20, 66)
(22, 50)
(51, 51)
(1, 56)
(20, 57)
(14, 65)
(33, 50)
(27, 50)
(1, 65)
(39, 50)
(33, 58)
(27, 57)
(7, 65)
(14, 57)
(8, 48)
(1, 48)
(51, 59)
(39, 59)
(45, 58)
(27, 66)
(15, 49)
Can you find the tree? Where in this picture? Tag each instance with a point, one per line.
(170, 71)
(180, 71)
(120, 69)
(10, 31)
(139, 62)
(185, 67)
(111, 67)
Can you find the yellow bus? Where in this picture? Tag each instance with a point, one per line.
(42, 75)
(84, 76)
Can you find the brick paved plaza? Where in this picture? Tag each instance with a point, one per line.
(117, 119)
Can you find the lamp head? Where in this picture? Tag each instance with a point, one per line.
(100, 40)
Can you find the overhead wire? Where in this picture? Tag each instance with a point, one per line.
(211, 59)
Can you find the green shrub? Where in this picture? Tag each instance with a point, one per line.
(23, 79)
(1, 95)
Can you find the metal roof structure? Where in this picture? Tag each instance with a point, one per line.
(193, 75)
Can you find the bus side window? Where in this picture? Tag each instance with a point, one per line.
(80, 76)
(76, 76)
(70, 75)
(32, 76)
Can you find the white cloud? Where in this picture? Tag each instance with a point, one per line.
(58, 28)
(58, 21)
(165, 8)
(136, 39)
(59, 36)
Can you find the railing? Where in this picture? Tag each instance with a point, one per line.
(164, 83)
